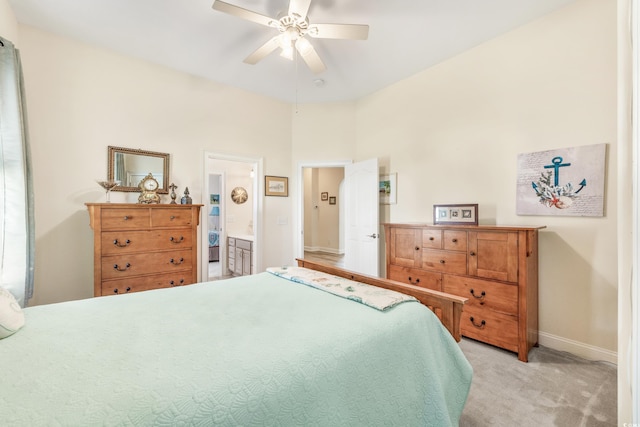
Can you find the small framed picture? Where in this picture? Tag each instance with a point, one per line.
(324, 196)
(276, 186)
(466, 214)
(332, 200)
(388, 187)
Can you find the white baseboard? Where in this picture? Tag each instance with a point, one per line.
(577, 348)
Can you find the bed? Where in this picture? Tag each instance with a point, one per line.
(264, 349)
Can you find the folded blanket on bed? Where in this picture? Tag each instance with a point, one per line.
(372, 296)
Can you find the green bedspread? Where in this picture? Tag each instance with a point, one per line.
(257, 350)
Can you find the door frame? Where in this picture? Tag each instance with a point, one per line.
(298, 249)
(258, 189)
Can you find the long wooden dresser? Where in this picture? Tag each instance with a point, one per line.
(496, 268)
(138, 247)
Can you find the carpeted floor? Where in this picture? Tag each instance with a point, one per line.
(552, 389)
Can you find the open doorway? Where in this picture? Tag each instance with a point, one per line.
(214, 226)
(322, 213)
(230, 195)
(357, 204)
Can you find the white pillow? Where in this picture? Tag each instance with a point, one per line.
(11, 315)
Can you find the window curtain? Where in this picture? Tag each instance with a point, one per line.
(119, 175)
(17, 240)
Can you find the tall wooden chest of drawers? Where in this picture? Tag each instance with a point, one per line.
(141, 247)
(496, 268)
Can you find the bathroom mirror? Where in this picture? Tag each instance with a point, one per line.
(129, 166)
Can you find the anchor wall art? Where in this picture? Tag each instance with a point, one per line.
(563, 182)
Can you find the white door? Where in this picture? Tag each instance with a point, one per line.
(221, 164)
(362, 217)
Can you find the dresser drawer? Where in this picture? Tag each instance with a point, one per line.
(122, 219)
(412, 276)
(171, 218)
(444, 261)
(145, 283)
(490, 327)
(432, 239)
(455, 240)
(122, 266)
(122, 242)
(499, 297)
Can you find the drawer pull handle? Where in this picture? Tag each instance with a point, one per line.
(441, 261)
(121, 245)
(472, 253)
(414, 282)
(115, 291)
(176, 263)
(417, 248)
(454, 240)
(176, 241)
(482, 294)
(115, 267)
(127, 217)
(173, 283)
(172, 217)
(431, 238)
(479, 326)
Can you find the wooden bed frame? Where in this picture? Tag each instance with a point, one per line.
(447, 307)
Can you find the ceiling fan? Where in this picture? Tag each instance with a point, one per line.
(293, 29)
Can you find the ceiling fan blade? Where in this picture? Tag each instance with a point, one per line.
(242, 13)
(310, 56)
(339, 31)
(263, 51)
(299, 7)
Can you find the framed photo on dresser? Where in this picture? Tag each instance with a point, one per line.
(460, 214)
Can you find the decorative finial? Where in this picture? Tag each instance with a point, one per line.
(186, 200)
(173, 193)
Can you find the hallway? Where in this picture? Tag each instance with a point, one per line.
(326, 258)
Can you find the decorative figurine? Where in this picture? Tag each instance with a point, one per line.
(173, 193)
(186, 200)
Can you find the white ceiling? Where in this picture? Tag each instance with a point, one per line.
(405, 37)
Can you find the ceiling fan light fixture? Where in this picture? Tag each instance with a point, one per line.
(303, 46)
(287, 52)
(293, 28)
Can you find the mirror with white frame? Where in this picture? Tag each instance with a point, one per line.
(129, 166)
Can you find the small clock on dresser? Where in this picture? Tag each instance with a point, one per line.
(148, 190)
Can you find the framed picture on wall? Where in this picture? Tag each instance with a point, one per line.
(388, 189)
(324, 196)
(276, 186)
(332, 200)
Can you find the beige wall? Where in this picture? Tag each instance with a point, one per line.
(453, 133)
(80, 99)
(8, 23)
(546, 85)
